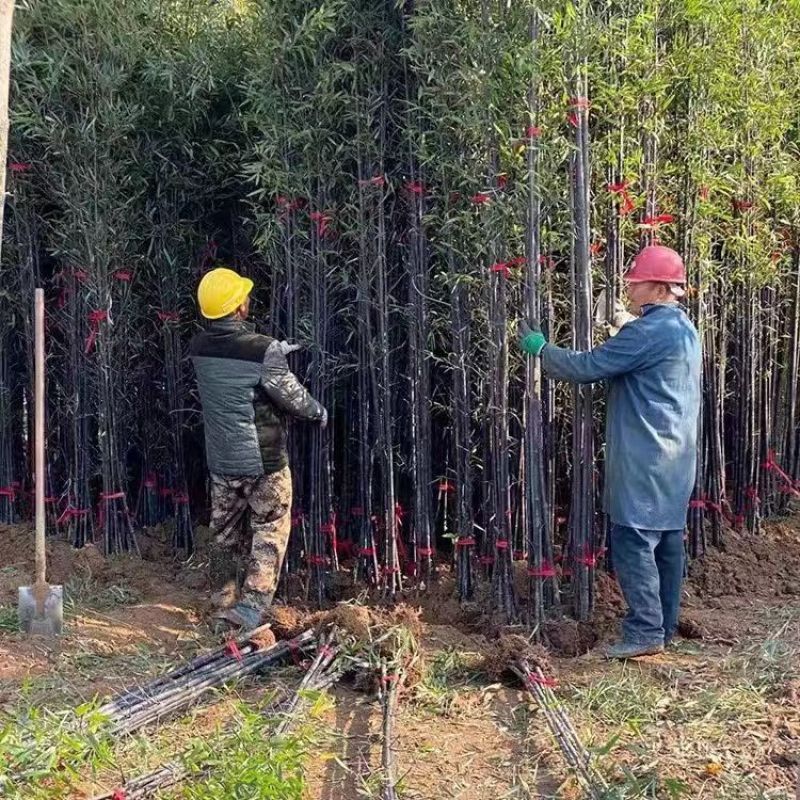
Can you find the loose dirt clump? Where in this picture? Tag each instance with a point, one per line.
(569, 638)
(690, 628)
(501, 654)
(264, 639)
(352, 619)
(287, 621)
(360, 622)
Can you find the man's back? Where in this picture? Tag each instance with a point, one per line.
(651, 427)
(228, 358)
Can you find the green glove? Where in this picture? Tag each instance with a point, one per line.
(531, 342)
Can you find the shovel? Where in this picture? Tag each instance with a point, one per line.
(40, 607)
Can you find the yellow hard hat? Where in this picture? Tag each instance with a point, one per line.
(221, 292)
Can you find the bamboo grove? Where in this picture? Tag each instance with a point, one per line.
(403, 182)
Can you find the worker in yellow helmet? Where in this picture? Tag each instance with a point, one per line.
(247, 392)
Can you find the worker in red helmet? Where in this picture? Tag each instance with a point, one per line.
(652, 367)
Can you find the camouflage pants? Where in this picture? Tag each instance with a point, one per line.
(252, 550)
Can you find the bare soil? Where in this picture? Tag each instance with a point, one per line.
(133, 617)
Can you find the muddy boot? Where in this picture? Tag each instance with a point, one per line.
(240, 617)
(633, 650)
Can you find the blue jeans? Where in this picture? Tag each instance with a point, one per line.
(649, 568)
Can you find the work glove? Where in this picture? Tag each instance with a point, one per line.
(530, 341)
(620, 315)
(287, 348)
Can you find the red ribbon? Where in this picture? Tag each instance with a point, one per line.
(366, 551)
(8, 491)
(19, 166)
(502, 180)
(425, 551)
(322, 221)
(343, 546)
(503, 267)
(480, 198)
(580, 103)
(446, 486)
(547, 570)
(771, 465)
(124, 275)
(378, 180)
(169, 316)
(500, 267)
(626, 203)
(533, 132)
(501, 544)
(390, 570)
(590, 557)
(466, 541)
(701, 504)
(486, 560)
(69, 513)
(119, 794)
(317, 560)
(704, 192)
(538, 680)
(288, 206)
(519, 555)
(95, 318)
(108, 496)
(655, 221)
(742, 205)
(415, 187)
(548, 262)
(232, 649)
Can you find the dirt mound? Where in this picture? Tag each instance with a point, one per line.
(87, 569)
(501, 654)
(362, 623)
(764, 565)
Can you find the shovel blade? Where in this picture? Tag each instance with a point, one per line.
(51, 621)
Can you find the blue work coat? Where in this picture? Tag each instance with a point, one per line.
(653, 371)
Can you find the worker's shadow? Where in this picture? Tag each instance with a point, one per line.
(353, 726)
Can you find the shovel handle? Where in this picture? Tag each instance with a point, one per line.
(38, 421)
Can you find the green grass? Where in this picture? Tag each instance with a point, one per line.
(626, 699)
(445, 679)
(44, 755)
(8, 619)
(247, 762)
(83, 591)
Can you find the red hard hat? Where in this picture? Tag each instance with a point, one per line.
(657, 263)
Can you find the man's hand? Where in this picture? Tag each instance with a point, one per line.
(323, 421)
(287, 348)
(530, 341)
(619, 315)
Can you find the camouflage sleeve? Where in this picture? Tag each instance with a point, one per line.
(283, 388)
